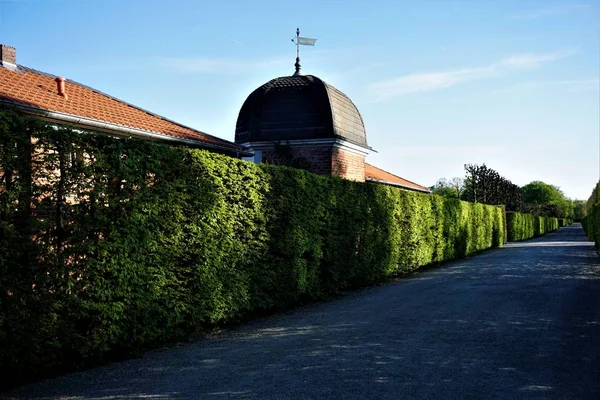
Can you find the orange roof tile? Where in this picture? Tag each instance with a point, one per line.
(375, 174)
(36, 89)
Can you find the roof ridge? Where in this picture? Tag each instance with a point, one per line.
(397, 176)
(33, 70)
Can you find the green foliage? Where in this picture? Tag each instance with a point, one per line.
(444, 191)
(525, 226)
(109, 246)
(484, 185)
(538, 192)
(579, 209)
(591, 221)
(451, 189)
(594, 199)
(547, 200)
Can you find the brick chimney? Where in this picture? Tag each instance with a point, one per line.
(8, 56)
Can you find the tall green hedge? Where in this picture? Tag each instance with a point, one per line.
(545, 225)
(519, 226)
(111, 246)
(564, 222)
(525, 226)
(591, 222)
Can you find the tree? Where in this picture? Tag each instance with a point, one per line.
(450, 189)
(579, 209)
(548, 200)
(539, 193)
(458, 185)
(484, 185)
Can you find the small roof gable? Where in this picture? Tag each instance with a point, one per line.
(37, 92)
(374, 174)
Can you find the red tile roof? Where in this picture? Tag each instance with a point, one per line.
(375, 174)
(38, 90)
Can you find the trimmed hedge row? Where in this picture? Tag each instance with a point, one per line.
(591, 222)
(525, 226)
(112, 246)
(545, 225)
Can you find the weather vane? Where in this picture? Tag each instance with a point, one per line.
(298, 40)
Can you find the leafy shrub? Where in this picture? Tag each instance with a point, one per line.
(519, 226)
(111, 246)
(525, 226)
(591, 222)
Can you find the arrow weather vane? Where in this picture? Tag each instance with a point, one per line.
(298, 40)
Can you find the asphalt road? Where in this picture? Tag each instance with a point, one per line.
(512, 323)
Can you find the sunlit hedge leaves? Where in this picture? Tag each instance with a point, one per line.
(525, 226)
(111, 246)
(591, 222)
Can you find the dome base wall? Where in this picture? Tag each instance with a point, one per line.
(323, 157)
(348, 165)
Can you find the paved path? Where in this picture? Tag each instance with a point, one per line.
(518, 322)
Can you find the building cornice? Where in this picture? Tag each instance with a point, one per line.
(333, 142)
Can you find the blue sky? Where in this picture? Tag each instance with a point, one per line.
(513, 84)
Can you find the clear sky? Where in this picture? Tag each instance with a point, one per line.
(514, 84)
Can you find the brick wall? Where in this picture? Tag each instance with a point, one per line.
(314, 159)
(320, 160)
(348, 165)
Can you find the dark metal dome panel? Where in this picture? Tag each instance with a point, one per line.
(347, 121)
(298, 107)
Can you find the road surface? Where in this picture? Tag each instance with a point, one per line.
(518, 322)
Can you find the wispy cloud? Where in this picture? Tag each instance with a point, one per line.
(567, 85)
(431, 81)
(220, 65)
(234, 41)
(529, 61)
(550, 11)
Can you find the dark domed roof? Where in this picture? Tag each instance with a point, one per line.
(299, 107)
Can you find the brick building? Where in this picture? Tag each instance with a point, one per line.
(305, 121)
(302, 121)
(296, 120)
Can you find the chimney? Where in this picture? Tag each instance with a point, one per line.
(8, 57)
(60, 86)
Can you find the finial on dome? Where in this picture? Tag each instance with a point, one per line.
(301, 41)
(297, 65)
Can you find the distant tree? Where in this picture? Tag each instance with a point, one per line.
(458, 185)
(448, 188)
(442, 182)
(473, 183)
(444, 191)
(484, 185)
(545, 199)
(538, 192)
(579, 209)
